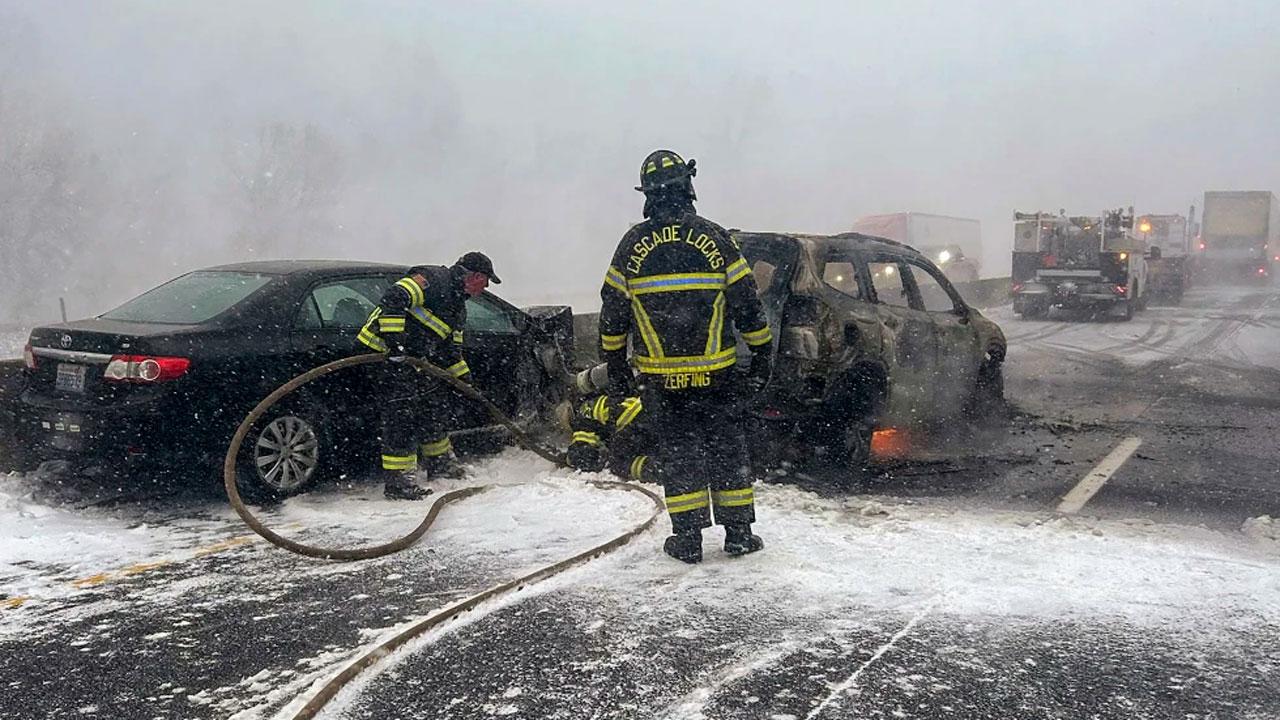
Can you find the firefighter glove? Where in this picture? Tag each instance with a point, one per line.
(621, 378)
(583, 456)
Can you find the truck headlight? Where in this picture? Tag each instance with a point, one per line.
(944, 257)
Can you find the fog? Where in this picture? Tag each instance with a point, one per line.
(143, 139)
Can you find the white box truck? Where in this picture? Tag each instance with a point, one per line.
(953, 244)
(1240, 235)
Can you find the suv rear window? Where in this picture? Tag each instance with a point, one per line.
(191, 299)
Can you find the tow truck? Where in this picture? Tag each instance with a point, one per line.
(1168, 238)
(1082, 262)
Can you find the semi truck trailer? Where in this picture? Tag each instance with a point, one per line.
(1240, 237)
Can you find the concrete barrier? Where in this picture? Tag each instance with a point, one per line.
(979, 294)
(11, 384)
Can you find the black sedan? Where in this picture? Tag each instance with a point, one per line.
(170, 374)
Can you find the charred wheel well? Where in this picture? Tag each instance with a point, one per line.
(861, 391)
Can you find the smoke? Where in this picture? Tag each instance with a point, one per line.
(144, 139)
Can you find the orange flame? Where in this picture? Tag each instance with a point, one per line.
(889, 443)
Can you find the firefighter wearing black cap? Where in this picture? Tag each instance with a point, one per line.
(422, 315)
(676, 290)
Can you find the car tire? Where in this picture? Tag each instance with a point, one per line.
(284, 453)
(1129, 310)
(987, 399)
(855, 450)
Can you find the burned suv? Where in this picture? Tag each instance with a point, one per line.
(870, 334)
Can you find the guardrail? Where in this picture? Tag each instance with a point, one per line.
(10, 388)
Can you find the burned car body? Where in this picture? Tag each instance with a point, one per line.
(169, 375)
(869, 334)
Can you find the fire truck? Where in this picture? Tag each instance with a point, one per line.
(1085, 262)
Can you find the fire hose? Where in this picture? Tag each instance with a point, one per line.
(229, 472)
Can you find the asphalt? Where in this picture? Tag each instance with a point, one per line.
(247, 629)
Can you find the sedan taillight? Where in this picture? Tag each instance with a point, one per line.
(29, 357)
(145, 368)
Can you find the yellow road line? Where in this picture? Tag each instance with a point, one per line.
(108, 576)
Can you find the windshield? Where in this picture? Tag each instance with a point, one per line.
(191, 299)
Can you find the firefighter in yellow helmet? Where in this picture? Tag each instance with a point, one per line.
(611, 432)
(675, 291)
(422, 315)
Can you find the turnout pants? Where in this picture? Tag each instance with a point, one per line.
(414, 418)
(699, 455)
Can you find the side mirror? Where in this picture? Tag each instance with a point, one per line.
(1154, 253)
(963, 313)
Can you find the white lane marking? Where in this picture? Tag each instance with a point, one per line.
(1073, 501)
(849, 682)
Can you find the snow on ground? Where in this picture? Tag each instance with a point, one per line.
(1221, 324)
(828, 562)
(45, 547)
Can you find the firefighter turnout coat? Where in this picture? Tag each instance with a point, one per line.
(677, 288)
(421, 315)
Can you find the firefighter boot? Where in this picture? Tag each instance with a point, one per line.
(685, 547)
(738, 540)
(399, 486)
(444, 466)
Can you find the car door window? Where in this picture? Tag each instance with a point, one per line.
(886, 278)
(344, 304)
(486, 316)
(841, 274)
(933, 296)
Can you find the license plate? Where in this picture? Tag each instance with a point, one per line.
(71, 377)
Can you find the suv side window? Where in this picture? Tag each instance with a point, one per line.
(841, 274)
(933, 295)
(343, 304)
(886, 278)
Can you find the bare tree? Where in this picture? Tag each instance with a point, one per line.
(287, 186)
(49, 197)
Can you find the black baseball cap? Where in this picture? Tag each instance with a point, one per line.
(478, 262)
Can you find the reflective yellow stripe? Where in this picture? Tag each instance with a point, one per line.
(614, 278)
(428, 318)
(600, 412)
(399, 462)
(412, 287)
(459, 368)
(763, 336)
(637, 467)
(691, 363)
(715, 331)
(677, 282)
(613, 342)
(437, 448)
(632, 408)
(390, 324)
(689, 501)
(737, 270)
(457, 336)
(586, 436)
(650, 336)
(368, 337)
(734, 498)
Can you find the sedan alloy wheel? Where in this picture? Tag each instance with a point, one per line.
(287, 454)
